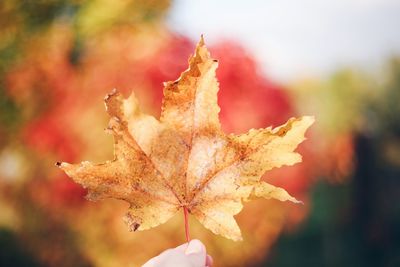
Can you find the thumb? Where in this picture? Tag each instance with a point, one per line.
(196, 253)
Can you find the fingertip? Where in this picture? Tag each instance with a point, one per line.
(195, 246)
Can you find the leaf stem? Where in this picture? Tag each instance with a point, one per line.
(186, 217)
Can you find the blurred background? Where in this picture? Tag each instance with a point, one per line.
(335, 60)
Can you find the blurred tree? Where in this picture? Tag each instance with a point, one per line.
(13, 253)
(356, 223)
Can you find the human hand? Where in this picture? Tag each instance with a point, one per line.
(192, 254)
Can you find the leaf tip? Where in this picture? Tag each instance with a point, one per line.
(201, 42)
(309, 119)
(61, 165)
(132, 221)
(296, 201)
(113, 92)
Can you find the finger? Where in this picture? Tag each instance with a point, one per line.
(209, 261)
(182, 247)
(196, 253)
(168, 258)
(157, 259)
(150, 263)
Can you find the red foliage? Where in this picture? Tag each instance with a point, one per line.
(48, 135)
(248, 99)
(59, 90)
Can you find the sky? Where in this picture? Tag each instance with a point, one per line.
(292, 39)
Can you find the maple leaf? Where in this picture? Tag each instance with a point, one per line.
(184, 160)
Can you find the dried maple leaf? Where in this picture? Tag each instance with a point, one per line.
(184, 160)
